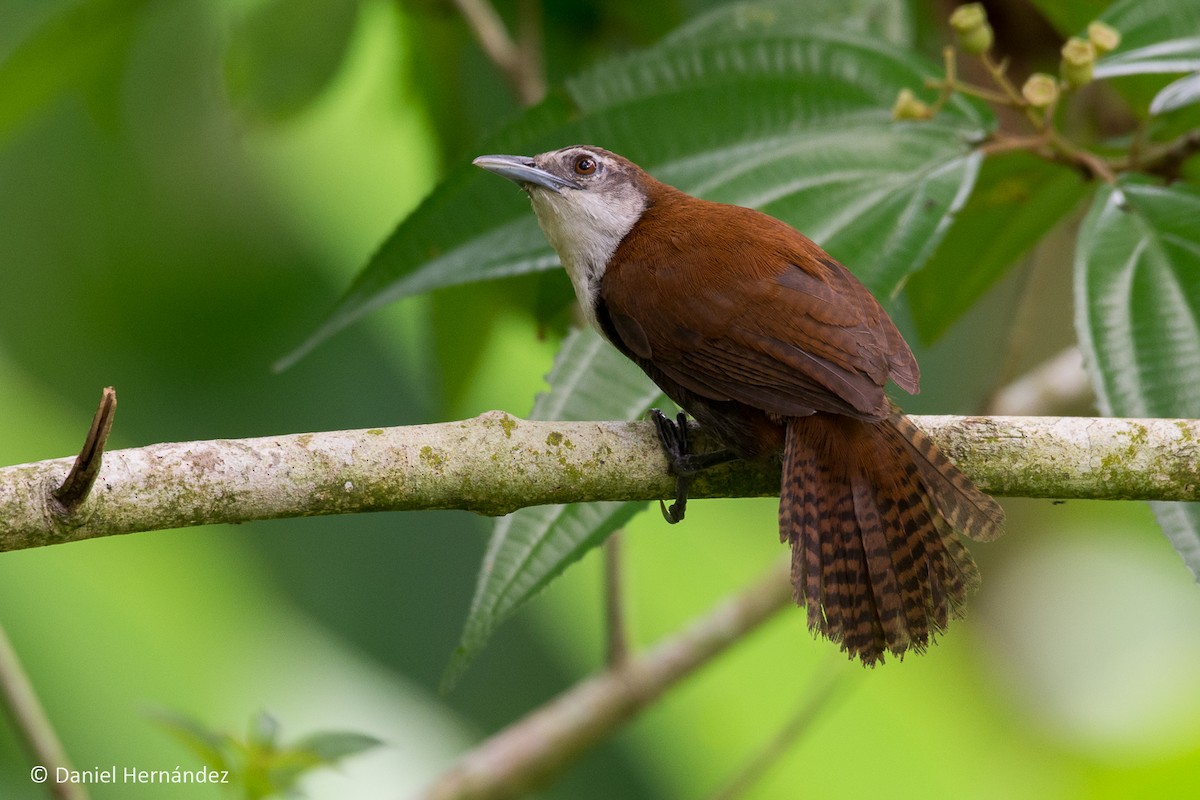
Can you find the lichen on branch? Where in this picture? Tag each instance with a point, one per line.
(496, 463)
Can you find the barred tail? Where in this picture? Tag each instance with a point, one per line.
(872, 511)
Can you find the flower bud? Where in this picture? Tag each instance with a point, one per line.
(1078, 58)
(1041, 90)
(909, 106)
(971, 26)
(1105, 38)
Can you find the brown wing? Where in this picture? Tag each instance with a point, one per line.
(782, 327)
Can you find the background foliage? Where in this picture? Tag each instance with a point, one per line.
(186, 186)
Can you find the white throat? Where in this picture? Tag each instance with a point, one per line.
(585, 227)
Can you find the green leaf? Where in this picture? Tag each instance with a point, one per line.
(1159, 57)
(330, 747)
(591, 380)
(271, 770)
(878, 197)
(1152, 33)
(529, 548)
(1137, 297)
(804, 132)
(1017, 200)
(884, 19)
(263, 731)
(212, 747)
(1069, 16)
(1181, 523)
(77, 48)
(1157, 39)
(283, 54)
(1177, 94)
(260, 764)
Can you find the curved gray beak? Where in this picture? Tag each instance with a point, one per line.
(521, 170)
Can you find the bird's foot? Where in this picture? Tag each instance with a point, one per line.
(675, 439)
(676, 442)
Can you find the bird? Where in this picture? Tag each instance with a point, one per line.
(783, 356)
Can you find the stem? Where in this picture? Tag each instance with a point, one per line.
(812, 704)
(1049, 143)
(529, 752)
(952, 84)
(533, 76)
(31, 722)
(1165, 159)
(521, 64)
(616, 634)
(1004, 143)
(999, 74)
(79, 481)
(1085, 158)
(1052, 146)
(948, 87)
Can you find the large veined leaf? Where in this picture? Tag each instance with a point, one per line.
(1172, 55)
(1157, 38)
(1177, 94)
(1017, 200)
(527, 550)
(885, 19)
(1137, 297)
(796, 123)
(877, 198)
(591, 380)
(532, 546)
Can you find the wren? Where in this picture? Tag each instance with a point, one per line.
(779, 352)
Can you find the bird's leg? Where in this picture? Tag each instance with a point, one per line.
(685, 465)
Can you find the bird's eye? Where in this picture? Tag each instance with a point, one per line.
(585, 165)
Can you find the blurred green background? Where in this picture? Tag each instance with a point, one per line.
(186, 188)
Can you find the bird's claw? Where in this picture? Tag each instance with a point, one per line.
(676, 443)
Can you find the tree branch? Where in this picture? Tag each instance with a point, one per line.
(527, 753)
(496, 463)
(32, 723)
(519, 61)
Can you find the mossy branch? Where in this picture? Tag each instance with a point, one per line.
(496, 463)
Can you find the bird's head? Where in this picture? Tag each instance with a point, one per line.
(586, 200)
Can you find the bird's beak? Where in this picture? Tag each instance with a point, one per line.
(521, 170)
